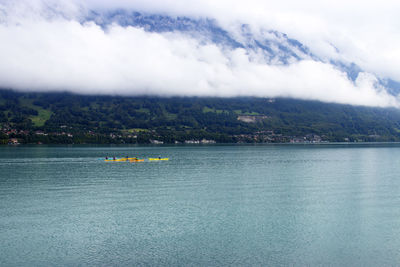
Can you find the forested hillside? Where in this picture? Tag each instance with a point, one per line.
(67, 118)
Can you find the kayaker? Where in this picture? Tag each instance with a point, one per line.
(106, 158)
(113, 158)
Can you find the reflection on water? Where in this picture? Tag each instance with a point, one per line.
(209, 205)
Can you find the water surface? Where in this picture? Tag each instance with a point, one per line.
(241, 205)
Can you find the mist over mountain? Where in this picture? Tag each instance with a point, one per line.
(157, 49)
(275, 47)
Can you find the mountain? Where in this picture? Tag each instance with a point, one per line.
(68, 118)
(276, 47)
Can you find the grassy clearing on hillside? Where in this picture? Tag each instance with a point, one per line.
(43, 114)
(240, 112)
(41, 118)
(213, 110)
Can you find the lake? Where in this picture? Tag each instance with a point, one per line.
(216, 205)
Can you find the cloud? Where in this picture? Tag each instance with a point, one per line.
(46, 48)
(364, 32)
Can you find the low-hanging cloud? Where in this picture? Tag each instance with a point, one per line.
(45, 51)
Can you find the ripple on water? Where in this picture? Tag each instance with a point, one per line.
(208, 205)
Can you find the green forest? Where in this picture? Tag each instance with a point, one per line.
(63, 118)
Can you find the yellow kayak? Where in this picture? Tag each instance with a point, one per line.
(136, 160)
(158, 159)
(121, 159)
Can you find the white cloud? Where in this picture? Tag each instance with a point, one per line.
(40, 50)
(365, 32)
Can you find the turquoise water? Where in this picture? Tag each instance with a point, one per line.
(275, 205)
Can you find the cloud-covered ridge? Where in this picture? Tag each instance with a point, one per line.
(58, 46)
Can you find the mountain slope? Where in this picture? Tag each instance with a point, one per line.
(51, 117)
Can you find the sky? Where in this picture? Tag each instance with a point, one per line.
(44, 46)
